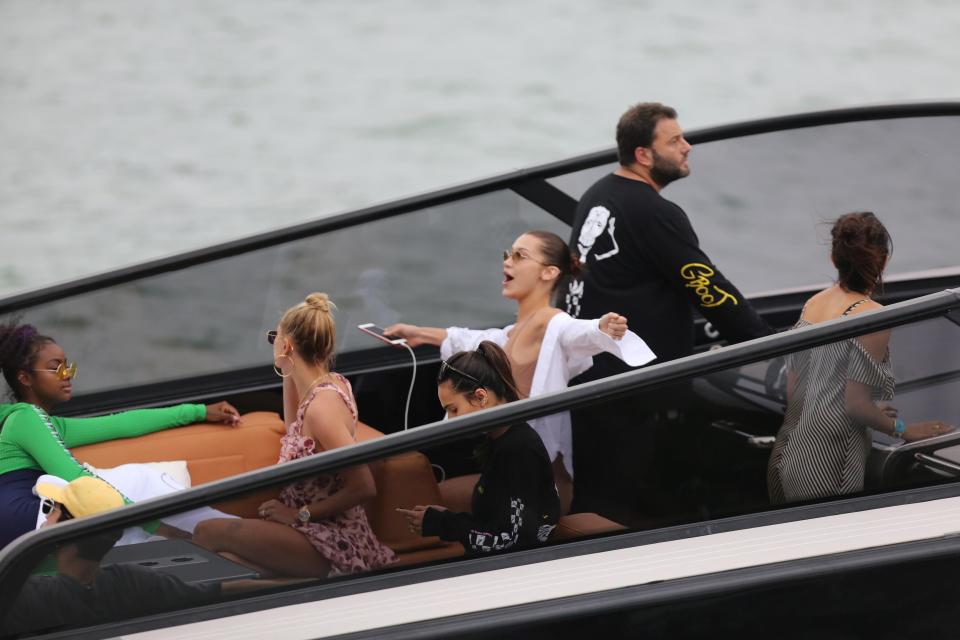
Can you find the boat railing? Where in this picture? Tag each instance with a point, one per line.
(530, 183)
(946, 303)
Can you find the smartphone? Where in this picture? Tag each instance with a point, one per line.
(377, 332)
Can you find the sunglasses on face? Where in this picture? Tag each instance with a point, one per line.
(46, 506)
(271, 336)
(446, 367)
(64, 370)
(517, 256)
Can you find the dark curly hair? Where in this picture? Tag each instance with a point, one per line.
(19, 344)
(860, 249)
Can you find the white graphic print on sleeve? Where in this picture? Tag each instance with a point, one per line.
(598, 219)
(572, 299)
(45, 418)
(485, 541)
(544, 531)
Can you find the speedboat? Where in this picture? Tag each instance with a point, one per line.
(702, 551)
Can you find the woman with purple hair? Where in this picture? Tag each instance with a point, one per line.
(33, 443)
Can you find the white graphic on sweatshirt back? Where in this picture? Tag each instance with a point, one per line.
(598, 219)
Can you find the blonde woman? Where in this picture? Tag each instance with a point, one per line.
(317, 527)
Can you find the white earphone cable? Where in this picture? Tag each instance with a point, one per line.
(413, 379)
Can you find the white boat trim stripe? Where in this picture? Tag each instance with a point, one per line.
(584, 574)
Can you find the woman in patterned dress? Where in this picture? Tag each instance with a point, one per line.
(833, 390)
(317, 527)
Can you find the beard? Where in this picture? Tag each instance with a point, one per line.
(663, 171)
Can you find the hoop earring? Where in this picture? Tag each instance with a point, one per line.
(277, 369)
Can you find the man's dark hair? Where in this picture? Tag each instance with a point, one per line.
(91, 547)
(636, 126)
(94, 547)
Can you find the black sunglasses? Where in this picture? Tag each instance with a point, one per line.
(271, 336)
(446, 366)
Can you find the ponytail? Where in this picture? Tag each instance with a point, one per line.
(487, 367)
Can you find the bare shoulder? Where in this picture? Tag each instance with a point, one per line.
(863, 307)
(327, 411)
(815, 308)
(819, 298)
(832, 303)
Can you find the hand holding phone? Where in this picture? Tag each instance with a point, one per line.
(379, 334)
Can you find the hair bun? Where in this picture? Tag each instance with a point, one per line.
(861, 248)
(15, 340)
(320, 301)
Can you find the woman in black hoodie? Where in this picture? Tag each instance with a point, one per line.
(515, 501)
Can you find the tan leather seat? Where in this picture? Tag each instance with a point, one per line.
(215, 451)
(457, 492)
(405, 480)
(578, 525)
(212, 452)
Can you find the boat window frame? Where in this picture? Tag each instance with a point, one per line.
(530, 184)
(442, 432)
(943, 304)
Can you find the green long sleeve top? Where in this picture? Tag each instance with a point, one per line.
(32, 439)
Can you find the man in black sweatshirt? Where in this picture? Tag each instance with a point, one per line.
(642, 256)
(643, 260)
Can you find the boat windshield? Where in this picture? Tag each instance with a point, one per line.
(761, 204)
(696, 461)
(757, 200)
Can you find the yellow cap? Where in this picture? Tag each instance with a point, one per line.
(85, 496)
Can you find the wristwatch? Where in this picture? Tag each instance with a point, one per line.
(898, 427)
(303, 515)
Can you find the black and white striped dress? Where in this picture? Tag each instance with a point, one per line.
(820, 451)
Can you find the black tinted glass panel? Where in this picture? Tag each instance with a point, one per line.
(439, 266)
(759, 203)
(704, 447)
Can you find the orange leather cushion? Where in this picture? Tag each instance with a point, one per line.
(577, 525)
(256, 441)
(404, 480)
(212, 452)
(457, 492)
(441, 552)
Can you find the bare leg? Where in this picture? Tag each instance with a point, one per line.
(564, 484)
(272, 548)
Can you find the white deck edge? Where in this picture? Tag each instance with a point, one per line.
(582, 575)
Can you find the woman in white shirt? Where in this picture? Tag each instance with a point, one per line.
(546, 347)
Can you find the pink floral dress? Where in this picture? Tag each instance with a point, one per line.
(345, 539)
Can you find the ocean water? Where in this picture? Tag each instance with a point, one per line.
(130, 131)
